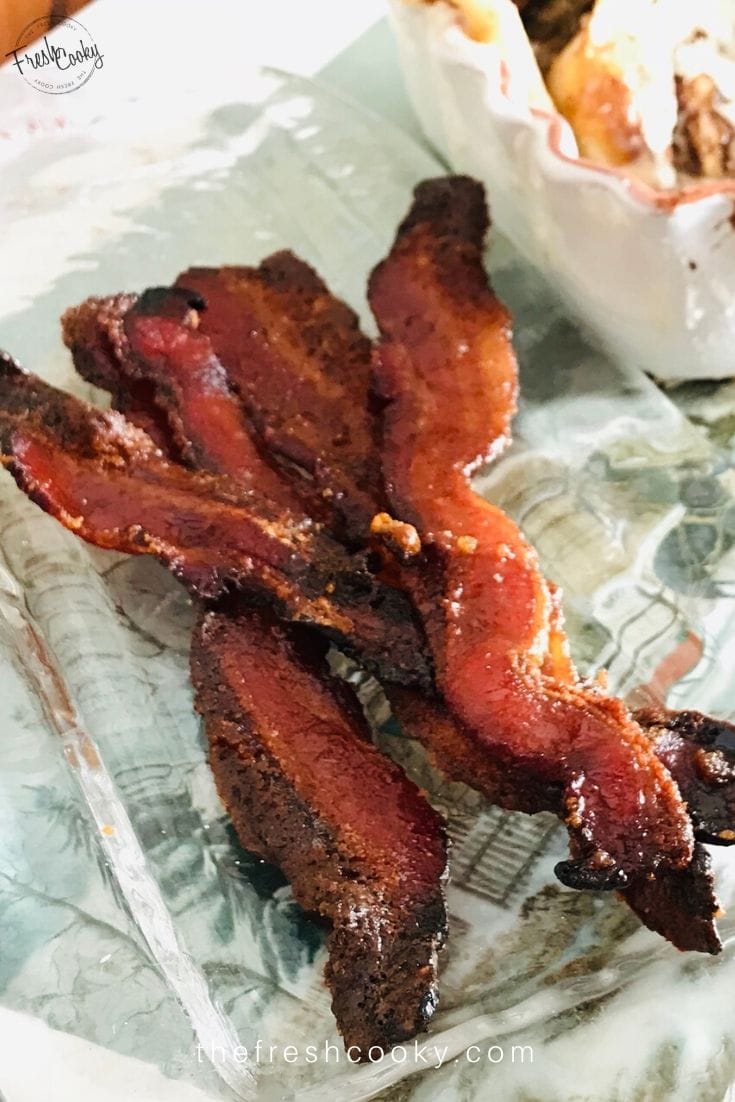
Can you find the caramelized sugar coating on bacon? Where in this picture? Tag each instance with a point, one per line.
(105, 480)
(446, 371)
(92, 333)
(30, 403)
(699, 752)
(679, 904)
(307, 790)
(297, 356)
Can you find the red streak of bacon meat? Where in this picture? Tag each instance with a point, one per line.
(446, 371)
(106, 481)
(308, 791)
(297, 357)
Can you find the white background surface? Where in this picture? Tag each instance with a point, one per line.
(157, 49)
(153, 50)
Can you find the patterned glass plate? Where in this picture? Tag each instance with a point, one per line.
(130, 917)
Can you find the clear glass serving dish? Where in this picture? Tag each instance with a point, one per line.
(130, 917)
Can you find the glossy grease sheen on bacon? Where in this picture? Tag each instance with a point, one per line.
(105, 480)
(446, 371)
(308, 791)
(301, 365)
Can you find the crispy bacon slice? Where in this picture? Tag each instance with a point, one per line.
(297, 356)
(461, 755)
(156, 337)
(164, 348)
(307, 790)
(446, 371)
(105, 480)
(698, 751)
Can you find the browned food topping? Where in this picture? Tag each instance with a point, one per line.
(308, 791)
(403, 538)
(551, 24)
(704, 139)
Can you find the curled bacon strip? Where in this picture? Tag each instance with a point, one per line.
(446, 371)
(308, 791)
(105, 480)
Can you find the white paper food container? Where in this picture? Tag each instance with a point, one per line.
(652, 273)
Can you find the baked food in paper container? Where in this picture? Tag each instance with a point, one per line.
(637, 234)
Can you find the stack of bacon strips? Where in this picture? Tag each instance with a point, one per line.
(311, 489)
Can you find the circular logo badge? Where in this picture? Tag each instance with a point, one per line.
(60, 64)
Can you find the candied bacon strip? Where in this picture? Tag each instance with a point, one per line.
(307, 790)
(440, 732)
(698, 751)
(446, 371)
(679, 904)
(297, 356)
(105, 480)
